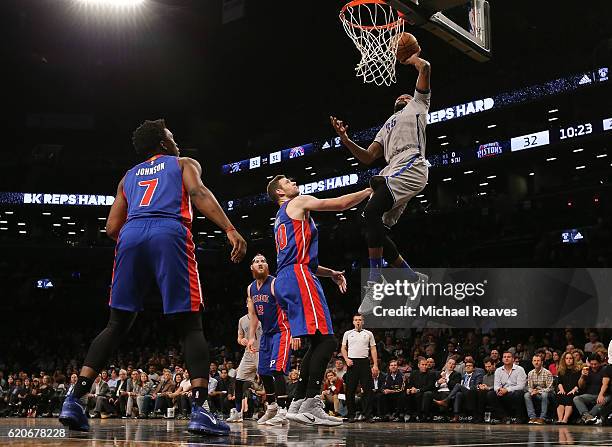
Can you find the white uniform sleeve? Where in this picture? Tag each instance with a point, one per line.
(422, 98)
(380, 137)
(345, 339)
(372, 341)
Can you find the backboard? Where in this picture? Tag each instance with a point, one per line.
(471, 36)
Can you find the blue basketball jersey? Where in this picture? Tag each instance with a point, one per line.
(297, 241)
(269, 312)
(154, 188)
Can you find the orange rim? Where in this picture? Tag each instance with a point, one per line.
(353, 3)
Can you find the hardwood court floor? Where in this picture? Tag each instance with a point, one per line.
(160, 432)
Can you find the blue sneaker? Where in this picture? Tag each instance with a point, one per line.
(204, 423)
(73, 414)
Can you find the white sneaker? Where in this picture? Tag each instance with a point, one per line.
(269, 414)
(414, 301)
(294, 409)
(235, 416)
(368, 302)
(279, 419)
(312, 412)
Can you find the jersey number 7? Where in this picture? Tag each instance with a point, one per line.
(151, 186)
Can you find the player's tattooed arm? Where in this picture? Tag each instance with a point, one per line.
(205, 201)
(424, 68)
(251, 342)
(366, 156)
(118, 213)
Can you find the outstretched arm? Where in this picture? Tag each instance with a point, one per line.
(367, 156)
(207, 204)
(336, 276)
(310, 203)
(424, 68)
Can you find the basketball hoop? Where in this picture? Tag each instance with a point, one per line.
(373, 25)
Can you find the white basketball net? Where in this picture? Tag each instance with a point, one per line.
(373, 25)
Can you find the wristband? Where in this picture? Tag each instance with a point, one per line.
(230, 229)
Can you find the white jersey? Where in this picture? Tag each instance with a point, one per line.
(403, 134)
(244, 323)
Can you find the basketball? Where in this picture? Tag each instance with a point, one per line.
(407, 46)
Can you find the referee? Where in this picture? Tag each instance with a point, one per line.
(356, 345)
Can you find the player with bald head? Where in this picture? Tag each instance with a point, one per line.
(401, 140)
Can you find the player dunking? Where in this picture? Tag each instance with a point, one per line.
(151, 222)
(300, 292)
(401, 141)
(274, 346)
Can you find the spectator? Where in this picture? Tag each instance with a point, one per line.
(393, 390)
(153, 376)
(553, 367)
(98, 396)
(539, 387)
(332, 387)
(446, 381)
(231, 371)
(431, 364)
(596, 391)
(463, 393)
(184, 404)
(133, 381)
(224, 394)
(589, 347)
(482, 390)
(378, 379)
(144, 395)
(340, 368)
(161, 395)
(569, 373)
(508, 390)
(214, 370)
(294, 377)
(419, 392)
(578, 357)
(112, 380)
(118, 399)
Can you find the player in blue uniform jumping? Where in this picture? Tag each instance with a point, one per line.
(151, 222)
(298, 289)
(275, 343)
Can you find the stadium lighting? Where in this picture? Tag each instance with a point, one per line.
(353, 209)
(21, 224)
(112, 3)
(57, 225)
(313, 173)
(580, 167)
(354, 164)
(532, 173)
(101, 218)
(468, 172)
(71, 223)
(482, 193)
(491, 176)
(66, 217)
(441, 137)
(444, 144)
(269, 177)
(491, 126)
(551, 159)
(424, 201)
(200, 217)
(245, 216)
(578, 150)
(553, 110)
(8, 212)
(202, 232)
(554, 118)
(602, 156)
(350, 158)
(22, 232)
(339, 214)
(3, 228)
(46, 214)
(103, 231)
(71, 232)
(343, 218)
(484, 184)
(211, 235)
(218, 231)
(447, 179)
(308, 168)
(3, 221)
